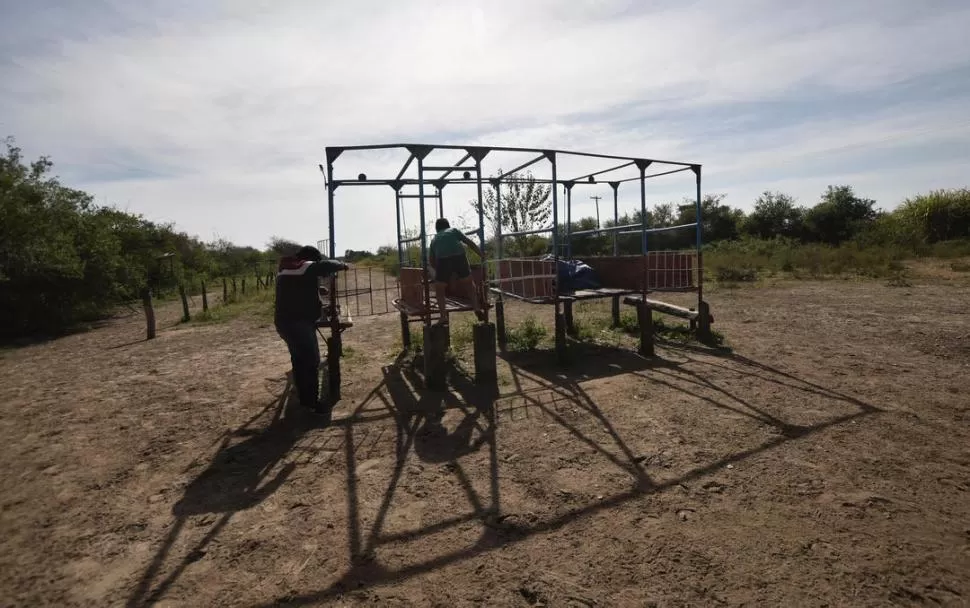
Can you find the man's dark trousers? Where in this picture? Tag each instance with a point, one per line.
(301, 339)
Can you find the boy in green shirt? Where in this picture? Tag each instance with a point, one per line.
(448, 259)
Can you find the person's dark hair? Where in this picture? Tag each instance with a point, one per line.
(441, 224)
(308, 253)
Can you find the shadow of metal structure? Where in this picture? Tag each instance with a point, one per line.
(538, 383)
(238, 477)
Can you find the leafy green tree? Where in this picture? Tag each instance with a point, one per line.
(525, 206)
(281, 246)
(775, 214)
(590, 244)
(719, 222)
(840, 216)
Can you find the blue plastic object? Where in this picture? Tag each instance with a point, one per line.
(574, 275)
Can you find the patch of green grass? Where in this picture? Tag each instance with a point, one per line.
(663, 327)
(731, 274)
(527, 335)
(950, 249)
(216, 314)
(742, 261)
(629, 323)
(504, 379)
(596, 329)
(462, 336)
(417, 338)
(352, 354)
(585, 331)
(258, 304)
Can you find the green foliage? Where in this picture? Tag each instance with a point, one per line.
(417, 338)
(258, 304)
(815, 260)
(629, 323)
(941, 215)
(665, 328)
(462, 335)
(775, 214)
(356, 257)
(732, 274)
(839, 217)
(719, 222)
(283, 247)
(524, 206)
(527, 336)
(65, 261)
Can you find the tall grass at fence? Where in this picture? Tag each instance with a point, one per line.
(226, 301)
(749, 259)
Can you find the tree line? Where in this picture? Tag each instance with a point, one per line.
(65, 260)
(840, 217)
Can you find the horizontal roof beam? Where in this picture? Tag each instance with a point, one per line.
(334, 151)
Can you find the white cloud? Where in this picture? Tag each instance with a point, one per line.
(232, 109)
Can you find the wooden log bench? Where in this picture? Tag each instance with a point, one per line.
(700, 320)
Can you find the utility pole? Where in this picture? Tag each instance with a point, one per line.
(597, 199)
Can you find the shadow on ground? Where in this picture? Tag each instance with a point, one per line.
(535, 379)
(239, 476)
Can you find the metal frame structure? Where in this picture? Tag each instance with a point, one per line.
(438, 177)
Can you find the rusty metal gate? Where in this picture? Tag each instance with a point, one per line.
(366, 291)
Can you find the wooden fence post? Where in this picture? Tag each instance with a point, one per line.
(185, 304)
(205, 299)
(146, 298)
(244, 286)
(225, 291)
(233, 285)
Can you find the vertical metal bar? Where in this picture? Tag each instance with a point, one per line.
(335, 343)
(700, 242)
(616, 218)
(397, 209)
(424, 245)
(557, 288)
(569, 222)
(481, 236)
(643, 209)
(643, 230)
(555, 231)
(387, 307)
(370, 287)
(498, 218)
(356, 291)
(330, 193)
(441, 201)
(335, 325)
(481, 206)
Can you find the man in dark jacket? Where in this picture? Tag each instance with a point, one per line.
(298, 308)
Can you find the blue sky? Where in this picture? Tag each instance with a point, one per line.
(214, 115)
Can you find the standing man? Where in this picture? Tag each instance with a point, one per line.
(298, 308)
(448, 259)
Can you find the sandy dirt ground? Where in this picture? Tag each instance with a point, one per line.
(824, 460)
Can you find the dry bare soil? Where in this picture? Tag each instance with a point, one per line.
(823, 461)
